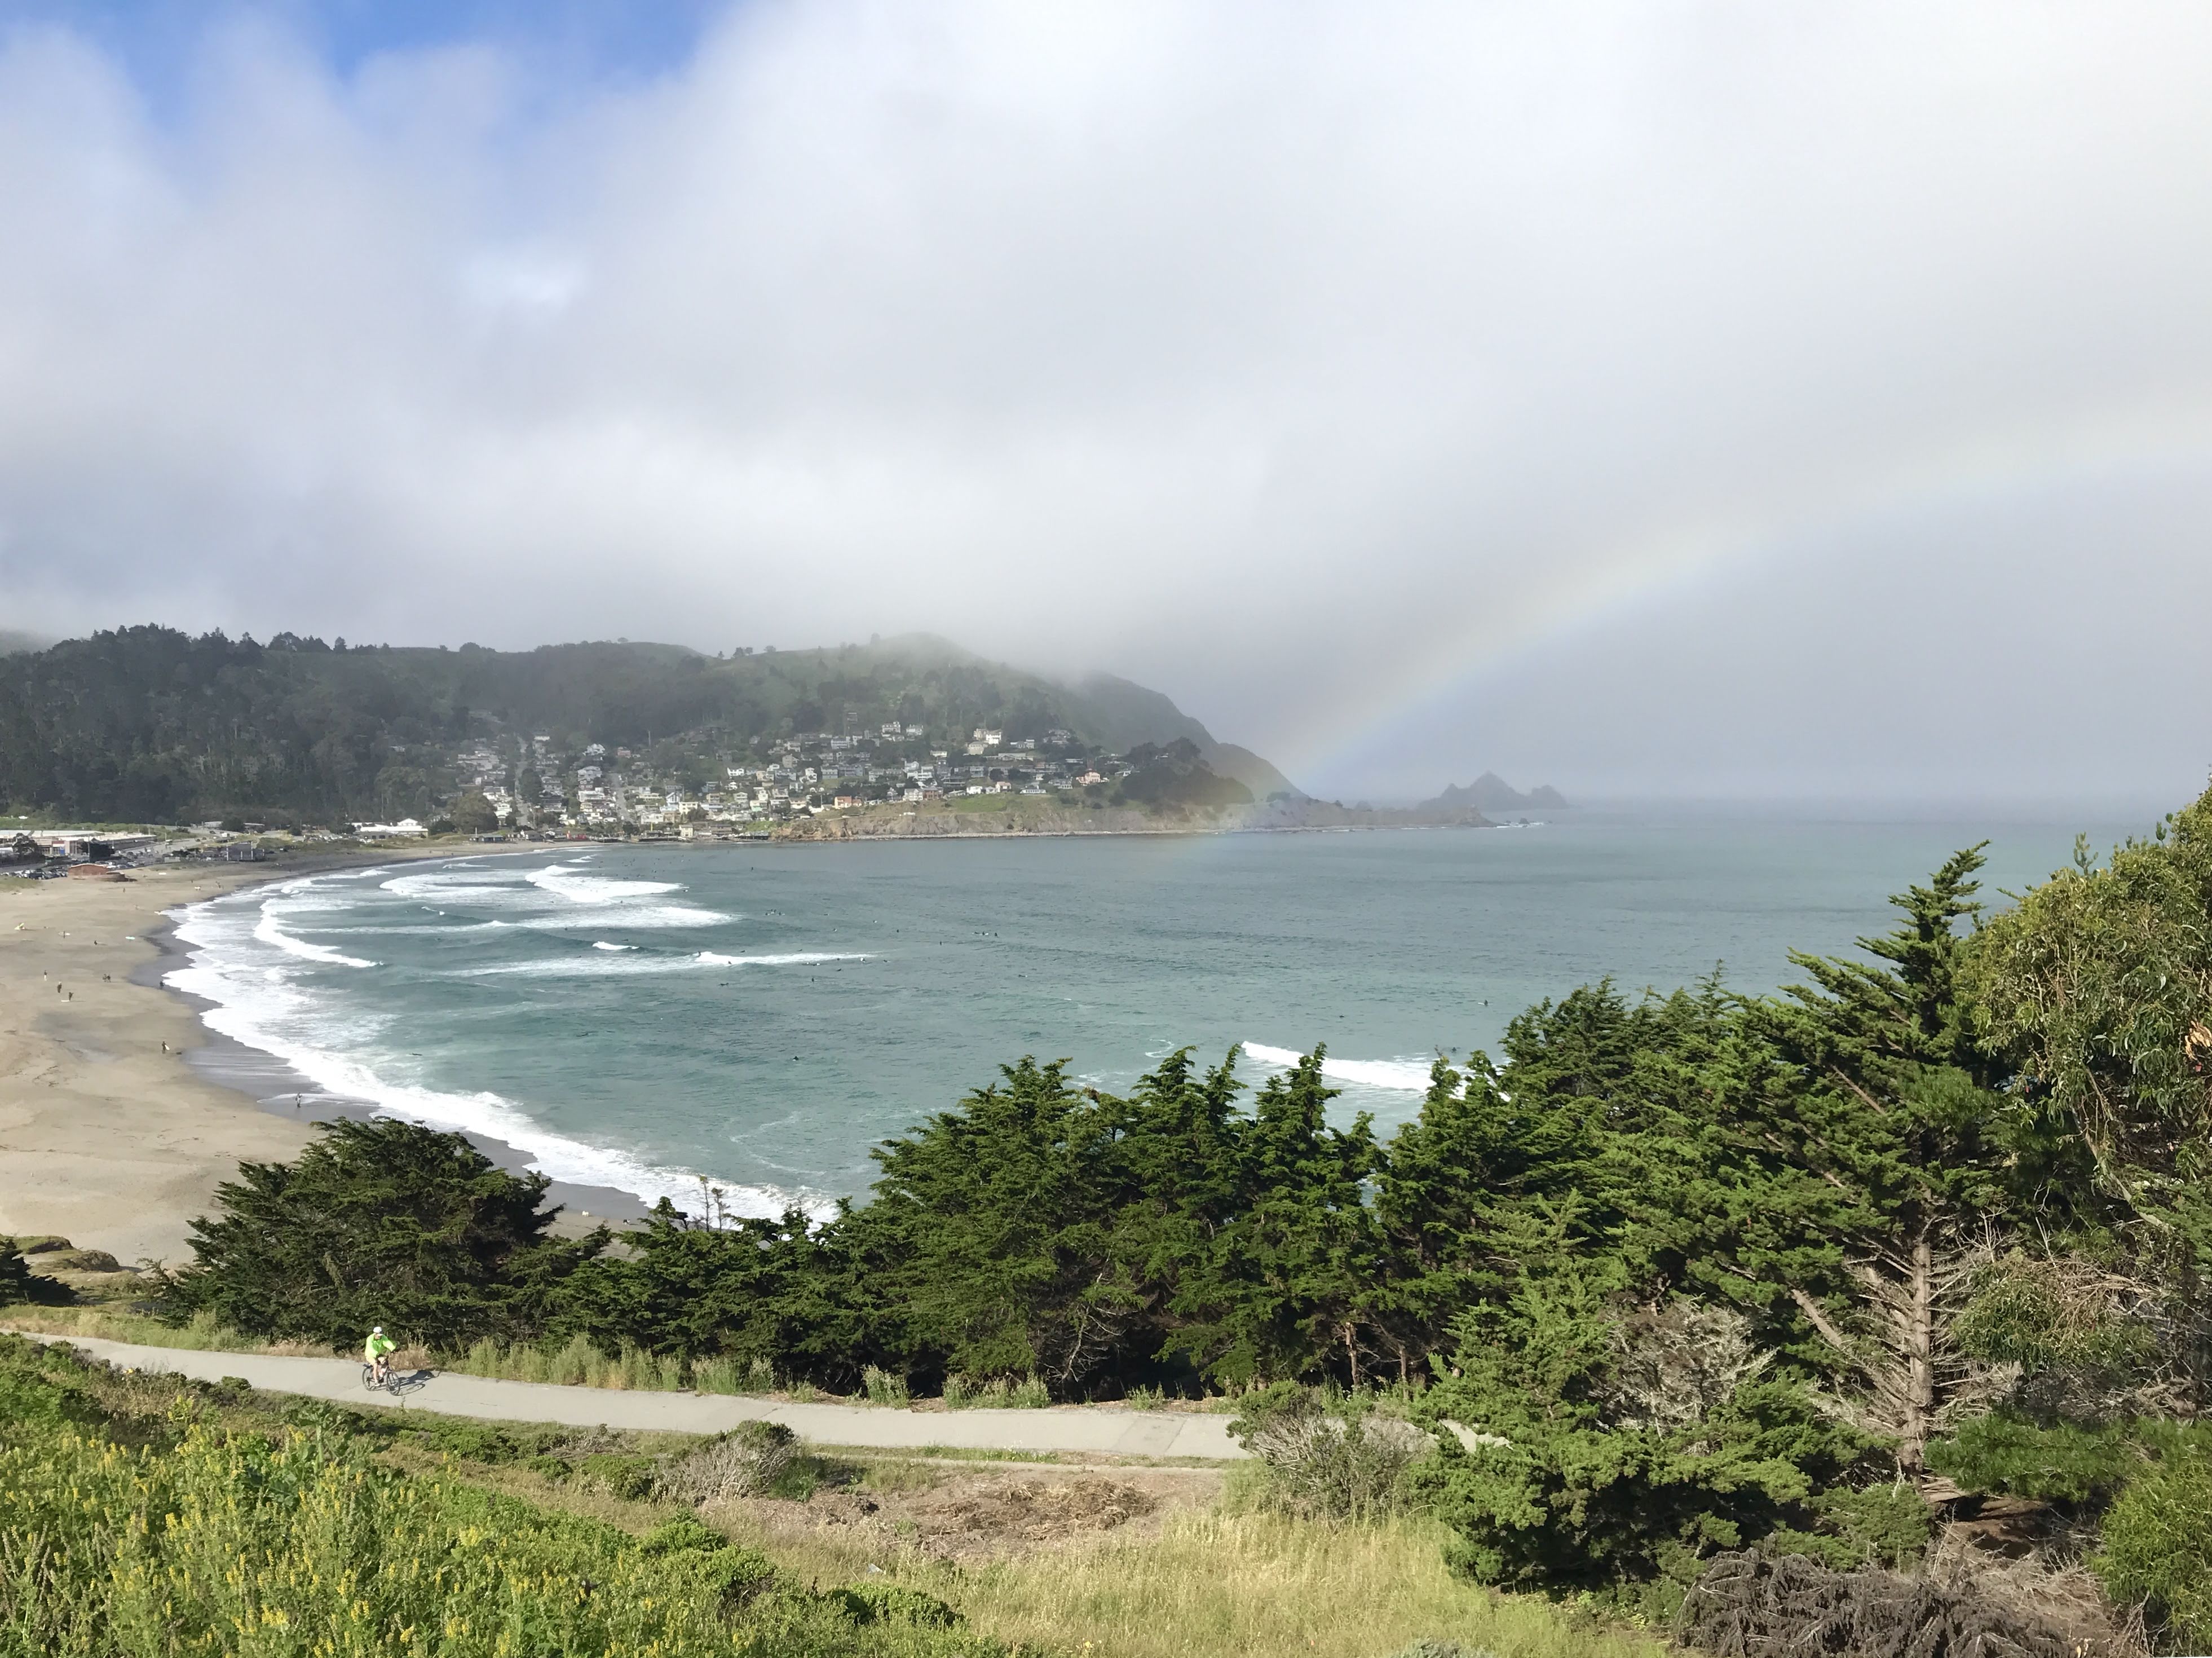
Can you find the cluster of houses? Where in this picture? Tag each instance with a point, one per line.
(532, 786)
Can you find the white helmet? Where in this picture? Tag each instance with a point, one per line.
(378, 1331)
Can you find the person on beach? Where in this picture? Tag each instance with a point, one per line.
(378, 1351)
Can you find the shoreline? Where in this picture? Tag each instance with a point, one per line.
(121, 1110)
(269, 1082)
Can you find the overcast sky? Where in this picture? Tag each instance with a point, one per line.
(1711, 398)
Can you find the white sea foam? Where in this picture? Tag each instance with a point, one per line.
(256, 978)
(565, 881)
(618, 959)
(268, 931)
(648, 916)
(1397, 1076)
(795, 958)
(555, 898)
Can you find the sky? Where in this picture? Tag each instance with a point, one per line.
(1718, 400)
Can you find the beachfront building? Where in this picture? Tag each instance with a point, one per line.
(405, 830)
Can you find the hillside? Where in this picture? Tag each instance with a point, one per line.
(148, 724)
(1491, 793)
(1129, 715)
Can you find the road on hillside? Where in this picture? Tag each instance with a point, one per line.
(1082, 1430)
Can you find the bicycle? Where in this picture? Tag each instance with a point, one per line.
(390, 1383)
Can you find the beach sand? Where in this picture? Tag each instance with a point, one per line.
(105, 1138)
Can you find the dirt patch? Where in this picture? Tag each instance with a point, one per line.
(971, 1516)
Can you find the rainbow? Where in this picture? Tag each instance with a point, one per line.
(1611, 581)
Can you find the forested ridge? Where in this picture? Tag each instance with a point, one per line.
(150, 725)
(1819, 1272)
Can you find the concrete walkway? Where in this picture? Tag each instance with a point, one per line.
(1082, 1428)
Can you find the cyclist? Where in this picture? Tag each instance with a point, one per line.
(378, 1349)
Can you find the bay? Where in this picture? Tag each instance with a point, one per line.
(641, 1016)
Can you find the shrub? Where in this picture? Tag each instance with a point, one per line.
(2062, 1463)
(630, 1478)
(1346, 1465)
(2157, 1549)
(473, 1442)
(1616, 1452)
(747, 1461)
(883, 1388)
(888, 1603)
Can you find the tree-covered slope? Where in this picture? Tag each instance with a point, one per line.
(150, 724)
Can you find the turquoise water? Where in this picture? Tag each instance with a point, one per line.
(638, 1016)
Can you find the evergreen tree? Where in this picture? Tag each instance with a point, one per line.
(1859, 1148)
(781, 1291)
(379, 1222)
(991, 1230)
(1290, 1286)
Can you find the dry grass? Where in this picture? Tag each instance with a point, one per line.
(1230, 1585)
(202, 1335)
(1245, 1585)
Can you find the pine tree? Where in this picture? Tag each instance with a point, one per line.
(1860, 1149)
(379, 1222)
(991, 1228)
(1289, 1288)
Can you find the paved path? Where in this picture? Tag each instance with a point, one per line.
(1083, 1429)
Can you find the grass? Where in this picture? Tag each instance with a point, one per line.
(202, 1335)
(135, 1521)
(1000, 1393)
(456, 1526)
(1237, 1585)
(579, 1365)
(885, 1388)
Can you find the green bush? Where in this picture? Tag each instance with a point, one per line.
(883, 1388)
(472, 1442)
(2061, 1463)
(2157, 1547)
(18, 1283)
(1560, 1490)
(378, 1223)
(1888, 1526)
(619, 1474)
(888, 1603)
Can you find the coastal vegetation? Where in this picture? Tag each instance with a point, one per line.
(144, 1514)
(1911, 1253)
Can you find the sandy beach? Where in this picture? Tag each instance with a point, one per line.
(104, 1137)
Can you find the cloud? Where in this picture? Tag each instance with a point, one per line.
(1609, 392)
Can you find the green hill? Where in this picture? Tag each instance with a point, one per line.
(149, 724)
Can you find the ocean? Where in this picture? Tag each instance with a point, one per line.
(759, 1016)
